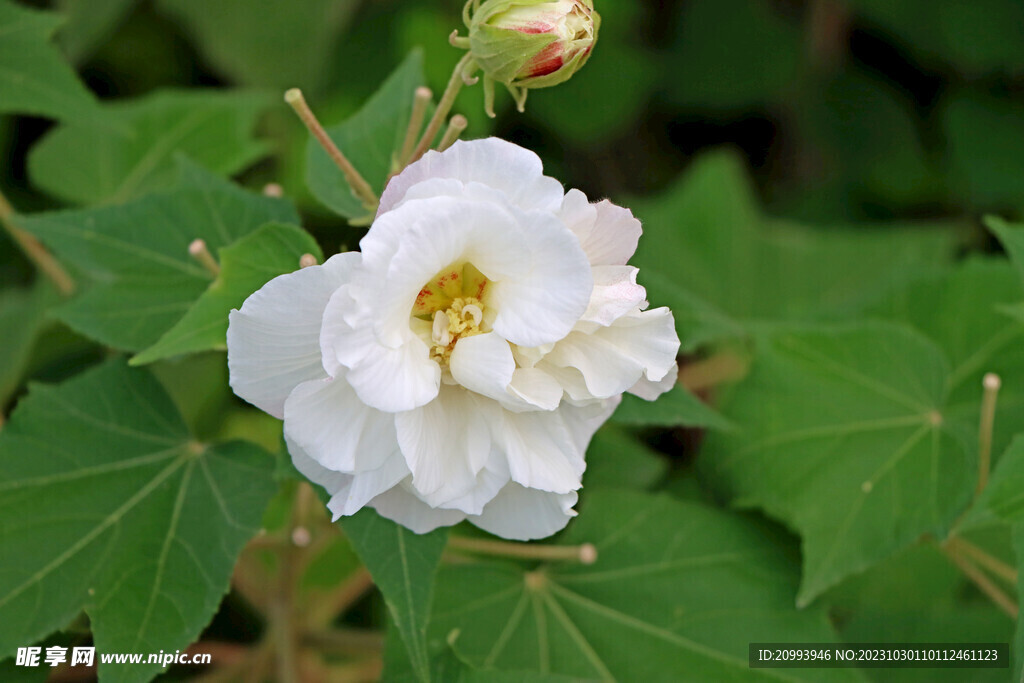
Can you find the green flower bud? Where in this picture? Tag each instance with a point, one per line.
(525, 44)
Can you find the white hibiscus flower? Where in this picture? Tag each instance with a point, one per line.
(458, 365)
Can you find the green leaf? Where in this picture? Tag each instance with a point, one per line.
(1011, 236)
(846, 439)
(245, 266)
(985, 139)
(403, 565)
(371, 139)
(22, 317)
(675, 408)
(709, 254)
(89, 24)
(1004, 494)
(618, 459)
(961, 310)
(678, 592)
(266, 42)
(119, 513)
(134, 151)
(33, 77)
(137, 256)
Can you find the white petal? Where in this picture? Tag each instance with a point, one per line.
(614, 237)
(488, 483)
(329, 422)
(515, 171)
(524, 514)
(541, 305)
(318, 474)
(446, 443)
(483, 363)
(612, 359)
(541, 450)
(361, 488)
(615, 294)
(533, 389)
(399, 505)
(274, 339)
(391, 379)
(649, 391)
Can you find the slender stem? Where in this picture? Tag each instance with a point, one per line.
(710, 372)
(457, 124)
(993, 564)
(419, 110)
(586, 553)
(35, 251)
(455, 84)
(341, 598)
(360, 188)
(983, 582)
(199, 251)
(991, 383)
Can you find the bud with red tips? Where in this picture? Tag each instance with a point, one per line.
(527, 44)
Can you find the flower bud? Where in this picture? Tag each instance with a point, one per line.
(527, 44)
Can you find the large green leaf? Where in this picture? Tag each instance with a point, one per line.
(985, 148)
(137, 256)
(616, 458)
(89, 24)
(22, 316)
(134, 151)
(1011, 235)
(33, 77)
(266, 42)
(962, 311)
(245, 266)
(678, 592)
(674, 408)
(709, 254)
(371, 139)
(403, 565)
(109, 506)
(845, 437)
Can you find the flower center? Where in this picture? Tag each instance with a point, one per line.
(453, 302)
(461, 319)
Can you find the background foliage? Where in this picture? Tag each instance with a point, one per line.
(812, 177)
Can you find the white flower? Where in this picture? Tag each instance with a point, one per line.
(458, 365)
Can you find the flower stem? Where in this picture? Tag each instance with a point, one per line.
(991, 383)
(993, 564)
(586, 553)
(360, 188)
(981, 580)
(420, 101)
(455, 84)
(198, 250)
(35, 251)
(457, 124)
(726, 366)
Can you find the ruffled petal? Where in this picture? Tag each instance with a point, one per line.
(361, 488)
(446, 444)
(615, 294)
(649, 391)
(400, 505)
(390, 379)
(541, 451)
(483, 363)
(612, 359)
(334, 427)
(274, 339)
(318, 474)
(515, 171)
(608, 233)
(523, 514)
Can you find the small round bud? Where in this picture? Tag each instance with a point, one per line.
(532, 43)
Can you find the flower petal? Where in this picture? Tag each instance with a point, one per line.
(649, 391)
(541, 450)
(615, 294)
(446, 443)
(326, 419)
(524, 514)
(517, 172)
(401, 506)
(390, 379)
(612, 359)
(318, 474)
(361, 488)
(274, 339)
(483, 363)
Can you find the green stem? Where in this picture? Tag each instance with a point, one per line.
(586, 553)
(455, 84)
(35, 251)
